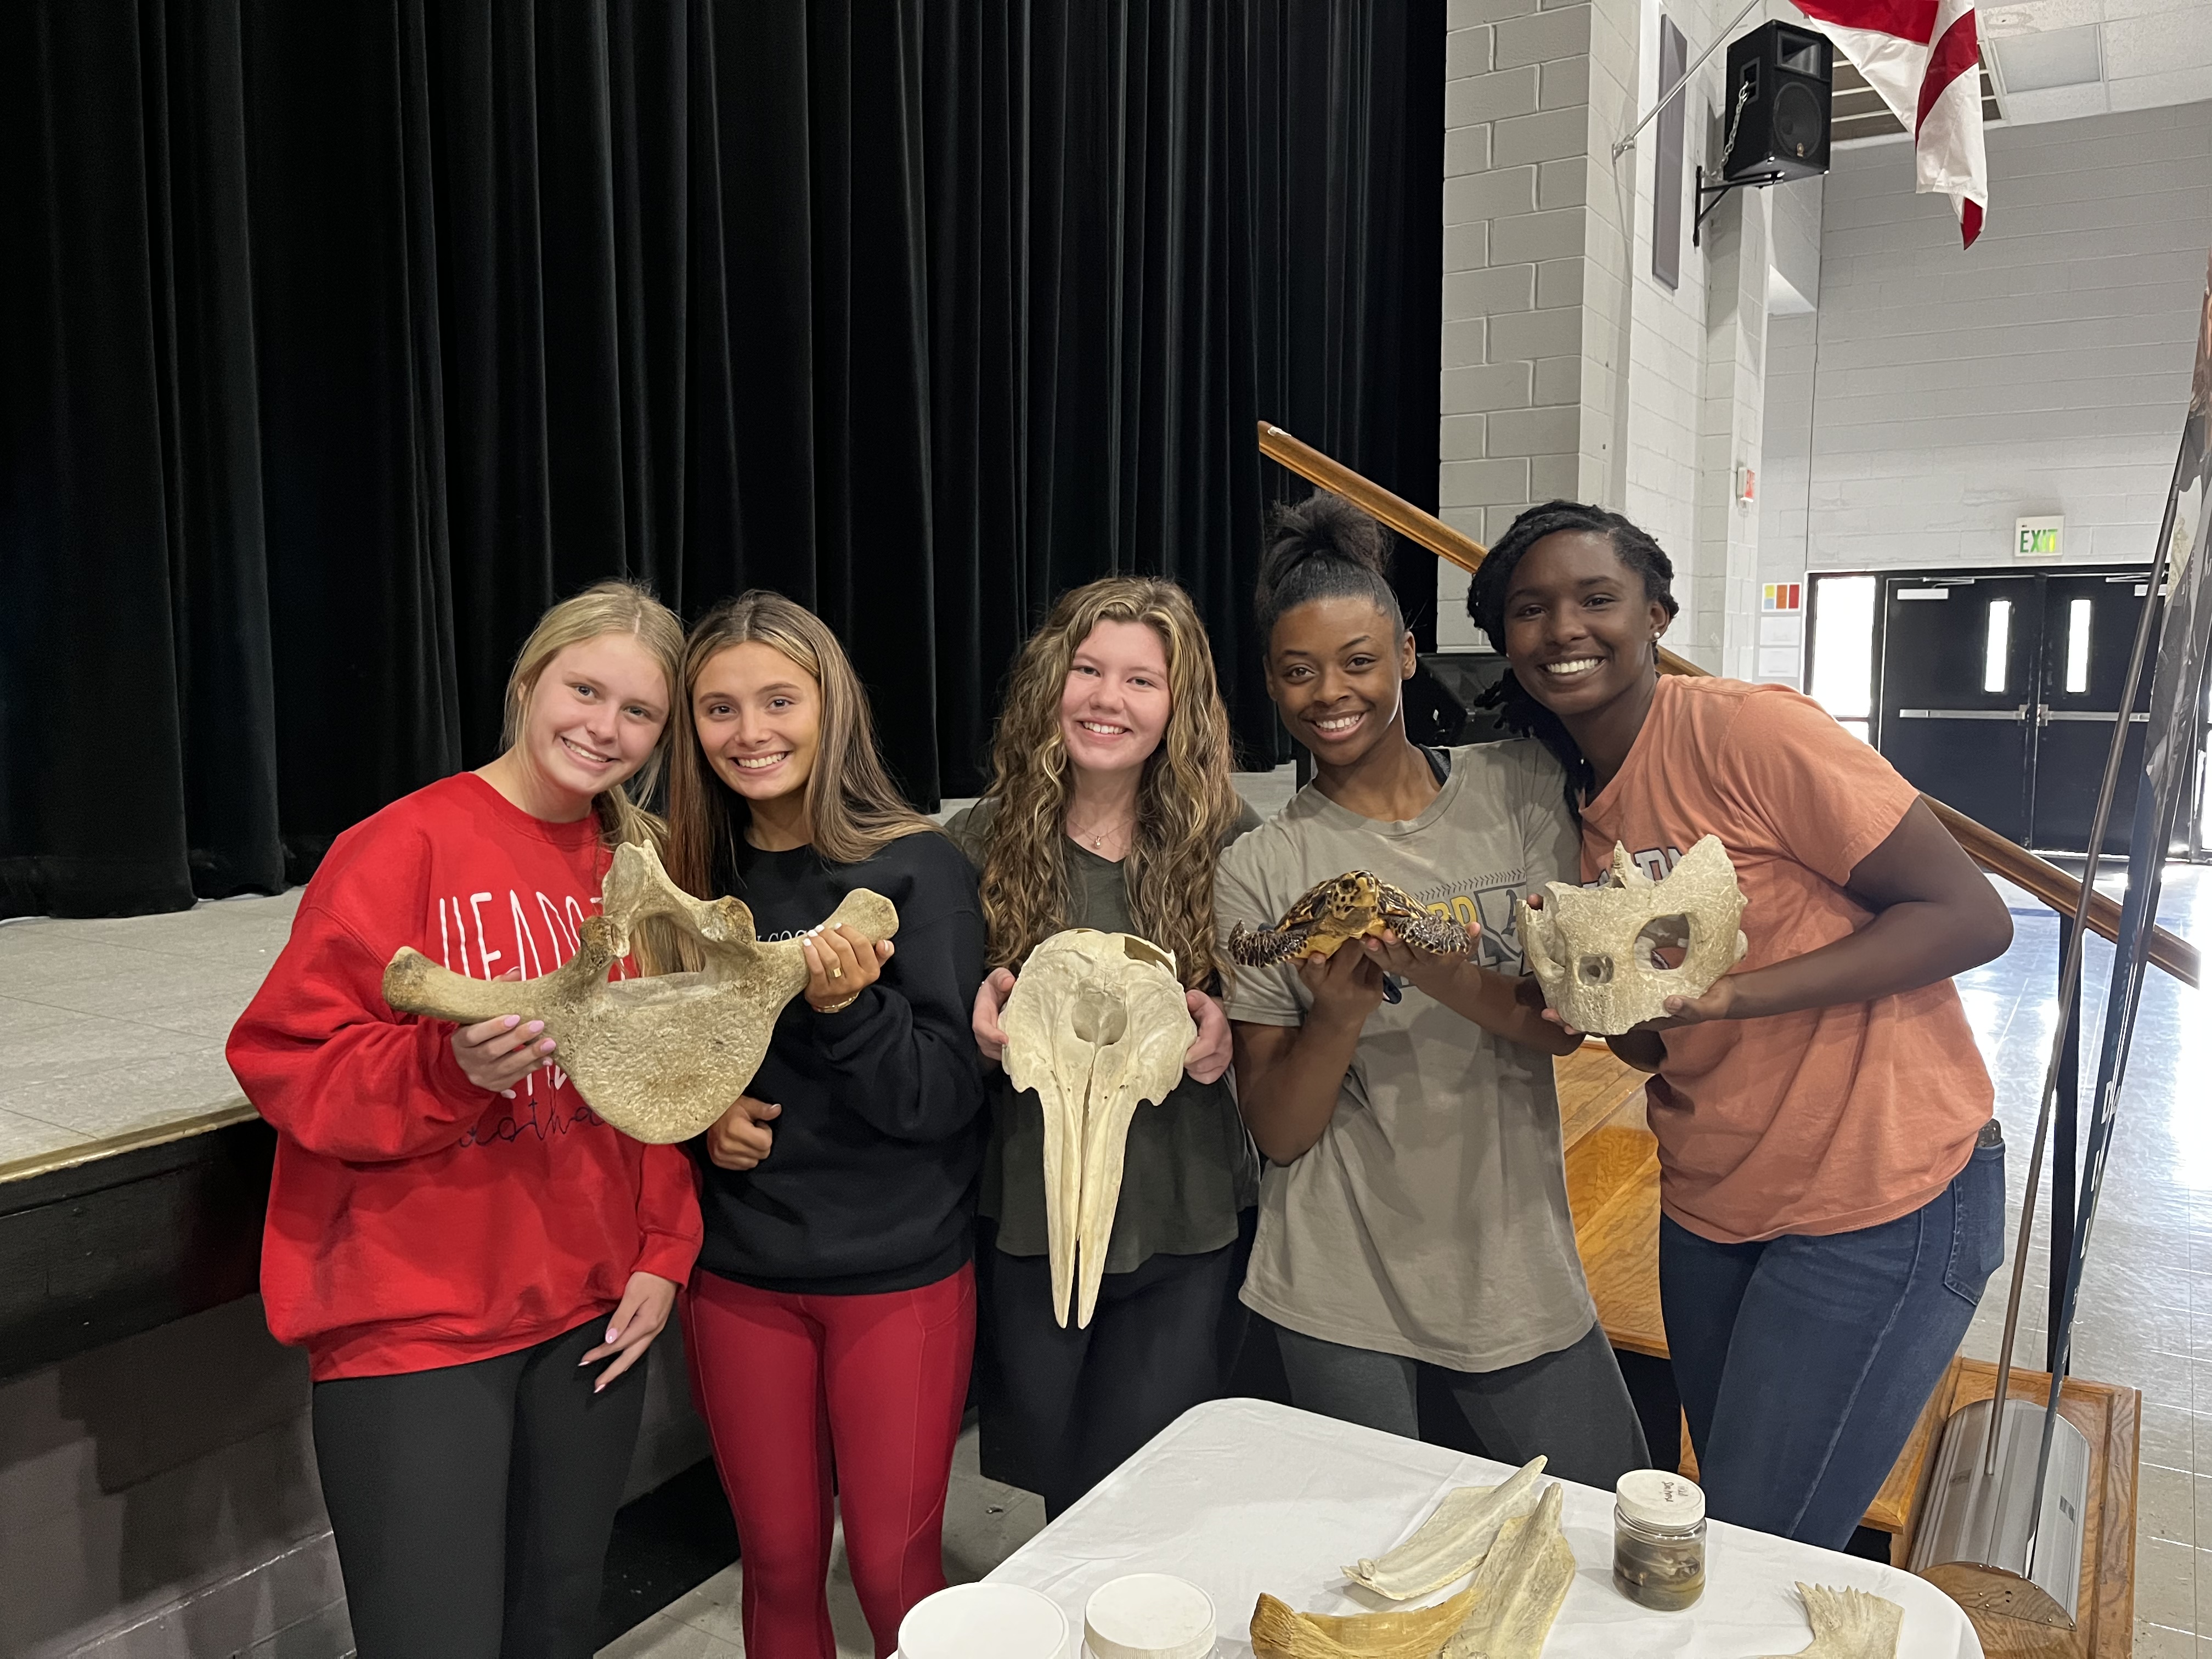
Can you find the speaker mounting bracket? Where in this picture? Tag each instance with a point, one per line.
(1710, 195)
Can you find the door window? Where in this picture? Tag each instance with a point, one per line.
(1843, 649)
(2081, 614)
(1996, 646)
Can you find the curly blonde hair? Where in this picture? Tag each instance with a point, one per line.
(1186, 801)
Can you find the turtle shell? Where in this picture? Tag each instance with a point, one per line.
(1355, 905)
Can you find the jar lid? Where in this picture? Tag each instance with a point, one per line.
(1653, 1497)
(1149, 1615)
(984, 1621)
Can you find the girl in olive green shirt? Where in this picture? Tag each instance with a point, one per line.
(1112, 797)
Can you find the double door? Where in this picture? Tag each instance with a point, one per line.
(1998, 693)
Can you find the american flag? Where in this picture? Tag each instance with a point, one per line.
(1924, 58)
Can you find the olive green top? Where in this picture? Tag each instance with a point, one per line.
(1188, 1168)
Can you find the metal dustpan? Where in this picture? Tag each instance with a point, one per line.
(1984, 1540)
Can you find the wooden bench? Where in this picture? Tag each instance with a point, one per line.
(1613, 1188)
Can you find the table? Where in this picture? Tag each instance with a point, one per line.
(1242, 1496)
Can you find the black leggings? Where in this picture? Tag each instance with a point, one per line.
(1075, 1402)
(471, 1504)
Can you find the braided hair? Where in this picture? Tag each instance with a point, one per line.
(1517, 709)
(1323, 548)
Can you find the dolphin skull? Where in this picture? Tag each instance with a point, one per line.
(659, 1058)
(1096, 1024)
(1608, 956)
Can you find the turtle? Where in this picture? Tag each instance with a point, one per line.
(1356, 904)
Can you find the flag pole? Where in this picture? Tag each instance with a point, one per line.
(1675, 91)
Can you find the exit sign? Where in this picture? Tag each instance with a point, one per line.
(2037, 538)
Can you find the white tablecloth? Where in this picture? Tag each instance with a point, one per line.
(1242, 1496)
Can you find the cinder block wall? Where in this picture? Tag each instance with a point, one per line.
(1518, 123)
(1937, 395)
(1568, 369)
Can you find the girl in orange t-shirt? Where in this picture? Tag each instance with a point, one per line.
(1832, 1184)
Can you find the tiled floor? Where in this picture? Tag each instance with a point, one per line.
(984, 1524)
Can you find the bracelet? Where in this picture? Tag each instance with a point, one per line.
(837, 1007)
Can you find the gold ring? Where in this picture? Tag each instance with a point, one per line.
(836, 973)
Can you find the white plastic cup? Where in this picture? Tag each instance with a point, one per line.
(1149, 1615)
(983, 1621)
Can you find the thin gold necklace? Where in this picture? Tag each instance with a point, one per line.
(1095, 841)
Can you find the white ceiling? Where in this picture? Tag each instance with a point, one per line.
(2108, 54)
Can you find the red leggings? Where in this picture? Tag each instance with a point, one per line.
(785, 1383)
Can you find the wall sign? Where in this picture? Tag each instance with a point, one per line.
(2037, 538)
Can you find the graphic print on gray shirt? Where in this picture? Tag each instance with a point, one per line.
(1430, 1219)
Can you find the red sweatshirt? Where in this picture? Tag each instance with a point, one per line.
(415, 1220)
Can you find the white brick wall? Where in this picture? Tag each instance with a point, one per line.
(2043, 371)
(1568, 369)
(1786, 443)
(1794, 231)
(1515, 164)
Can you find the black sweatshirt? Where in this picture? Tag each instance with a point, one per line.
(870, 1185)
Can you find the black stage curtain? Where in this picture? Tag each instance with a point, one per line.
(337, 340)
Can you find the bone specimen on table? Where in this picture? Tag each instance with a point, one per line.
(1522, 1583)
(1848, 1623)
(660, 1058)
(1096, 1024)
(1593, 950)
(1278, 1630)
(1453, 1540)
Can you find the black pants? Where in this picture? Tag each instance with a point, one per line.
(1570, 1405)
(1077, 1402)
(471, 1504)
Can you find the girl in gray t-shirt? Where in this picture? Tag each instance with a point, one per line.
(1413, 1211)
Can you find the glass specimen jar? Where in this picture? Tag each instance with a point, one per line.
(1658, 1539)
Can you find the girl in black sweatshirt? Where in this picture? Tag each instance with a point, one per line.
(837, 1306)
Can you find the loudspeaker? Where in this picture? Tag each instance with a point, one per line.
(1774, 117)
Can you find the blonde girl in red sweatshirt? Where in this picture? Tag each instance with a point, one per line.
(474, 1261)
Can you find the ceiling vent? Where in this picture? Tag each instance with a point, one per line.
(1857, 113)
(2049, 58)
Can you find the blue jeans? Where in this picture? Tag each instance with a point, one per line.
(1804, 1361)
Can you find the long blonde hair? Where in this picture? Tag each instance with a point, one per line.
(1185, 800)
(608, 607)
(854, 810)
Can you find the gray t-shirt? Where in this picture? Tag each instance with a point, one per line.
(1430, 1219)
(1186, 1169)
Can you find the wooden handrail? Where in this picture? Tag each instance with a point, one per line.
(2040, 877)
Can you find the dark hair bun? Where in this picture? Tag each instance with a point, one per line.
(1323, 526)
(1319, 548)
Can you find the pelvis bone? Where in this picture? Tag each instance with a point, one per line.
(1096, 1024)
(1595, 949)
(659, 1058)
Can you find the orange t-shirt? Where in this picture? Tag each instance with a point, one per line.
(1829, 1119)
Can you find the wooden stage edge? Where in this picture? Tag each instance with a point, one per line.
(1613, 1188)
(235, 1110)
